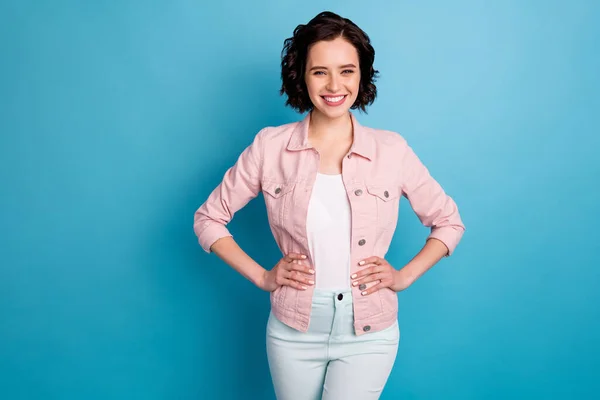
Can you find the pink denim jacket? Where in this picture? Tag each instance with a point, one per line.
(379, 168)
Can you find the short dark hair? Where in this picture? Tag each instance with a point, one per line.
(325, 26)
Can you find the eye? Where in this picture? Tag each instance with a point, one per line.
(348, 71)
(319, 73)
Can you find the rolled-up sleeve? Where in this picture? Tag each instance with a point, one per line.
(240, 184)
(429, 201)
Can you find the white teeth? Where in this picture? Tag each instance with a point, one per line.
(334, 99)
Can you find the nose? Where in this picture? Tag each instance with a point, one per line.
(333, 85)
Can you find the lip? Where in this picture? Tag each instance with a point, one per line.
(336, 103)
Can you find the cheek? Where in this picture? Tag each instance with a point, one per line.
(356, 83)
(354, 88)
(312, 88)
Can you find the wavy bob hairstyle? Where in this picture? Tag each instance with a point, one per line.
(325, 26)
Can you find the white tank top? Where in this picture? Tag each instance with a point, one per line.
(328, 231)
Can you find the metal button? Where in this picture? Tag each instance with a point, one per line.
(278, 190)
(386, 194)
(358, 192)
(362, 242)
(362, 286)
(367, 328)
(340, 296)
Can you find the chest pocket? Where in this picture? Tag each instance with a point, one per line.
(388, 201)
(278, 200)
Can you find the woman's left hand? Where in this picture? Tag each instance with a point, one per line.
(378, 269)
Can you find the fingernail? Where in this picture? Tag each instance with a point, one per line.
(302, 256)
(311, 282)
(361, 263)
(303, 287)
(364, 293)
(353, 276)
(311, 271)
(354, 283)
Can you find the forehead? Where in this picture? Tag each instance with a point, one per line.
(331, 52)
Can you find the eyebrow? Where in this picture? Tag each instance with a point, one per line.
(341, 67)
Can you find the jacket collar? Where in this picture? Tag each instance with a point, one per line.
(362, 143)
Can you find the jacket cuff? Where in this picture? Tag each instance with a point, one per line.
(449, 235)
(210, 234)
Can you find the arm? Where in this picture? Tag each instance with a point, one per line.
(288, 271)
(378, 269)
(435, 209)
(433, 251)
(228, 250)
(240, 184)
(430, 203)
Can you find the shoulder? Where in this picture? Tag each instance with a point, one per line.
(275, 131)
(275, 135)
(271, 133)
(387, 140)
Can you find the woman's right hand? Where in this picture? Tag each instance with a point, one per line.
(288, 272)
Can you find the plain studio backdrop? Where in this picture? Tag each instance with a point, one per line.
(117, 119)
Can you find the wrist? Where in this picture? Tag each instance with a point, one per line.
(259, 278)
(402, 279)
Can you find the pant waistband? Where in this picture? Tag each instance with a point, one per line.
(327, 293)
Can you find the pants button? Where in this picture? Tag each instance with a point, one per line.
(340, 296)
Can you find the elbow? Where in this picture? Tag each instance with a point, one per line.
(450, 234)
(208, 230)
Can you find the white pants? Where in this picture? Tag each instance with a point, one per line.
(329, 361)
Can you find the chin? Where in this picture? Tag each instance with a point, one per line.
(330, 113)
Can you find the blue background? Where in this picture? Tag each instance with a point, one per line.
(119, 117)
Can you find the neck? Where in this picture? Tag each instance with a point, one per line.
(323, 127)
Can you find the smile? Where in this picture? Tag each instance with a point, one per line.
(334, 100)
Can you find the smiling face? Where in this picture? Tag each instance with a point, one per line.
(332, 77)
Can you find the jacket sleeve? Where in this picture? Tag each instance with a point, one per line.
(430, 203)
(240, 184)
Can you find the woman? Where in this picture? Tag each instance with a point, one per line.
(332, 189)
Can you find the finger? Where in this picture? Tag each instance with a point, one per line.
(294, 275)
(300, 277)
(293, 256)
(289, 266)
(378, 276)
(294, 284)
(368, 270)
(300, 268)
(280, 278)
(375, 288)
(371, 260)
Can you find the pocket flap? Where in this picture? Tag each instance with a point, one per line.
(277, 189)
(384, 192)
